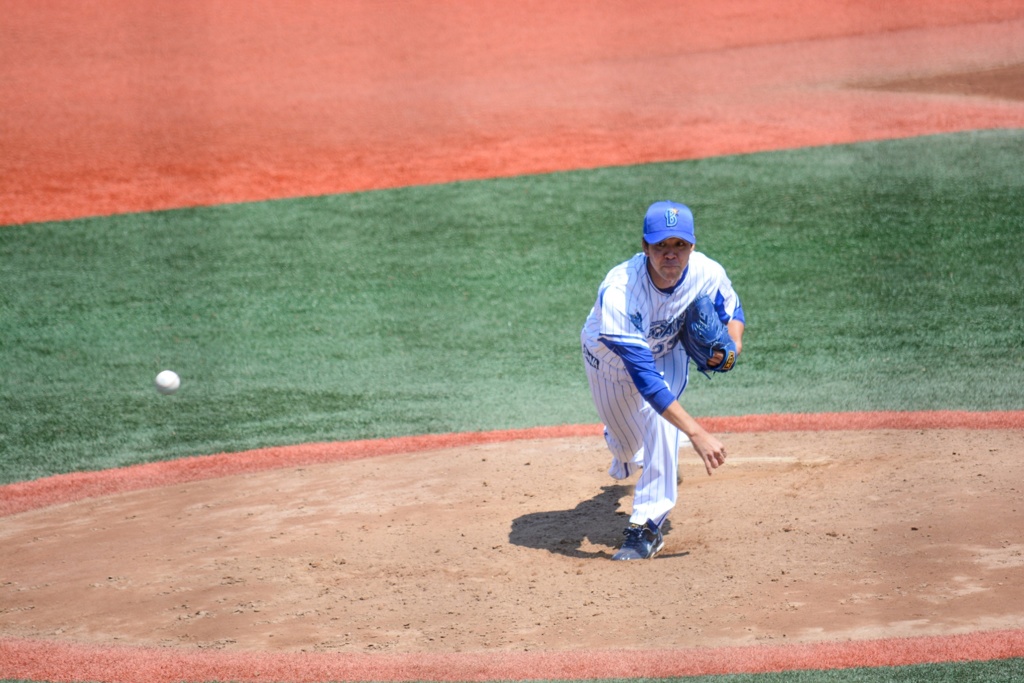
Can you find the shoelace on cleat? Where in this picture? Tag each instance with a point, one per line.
(634, 537)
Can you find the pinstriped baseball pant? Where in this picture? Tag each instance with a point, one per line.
(639, 437)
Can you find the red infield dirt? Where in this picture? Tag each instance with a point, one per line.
(132, 106)
(827, 541)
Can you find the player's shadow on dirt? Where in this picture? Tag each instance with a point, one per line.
(598, 520)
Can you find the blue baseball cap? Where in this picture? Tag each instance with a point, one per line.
(668, 219)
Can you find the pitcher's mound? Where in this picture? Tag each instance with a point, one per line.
(802, 536)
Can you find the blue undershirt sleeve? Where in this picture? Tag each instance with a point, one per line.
(640, 365)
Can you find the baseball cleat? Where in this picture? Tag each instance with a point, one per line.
(642, 542)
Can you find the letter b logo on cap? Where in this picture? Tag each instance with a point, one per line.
(671, 218)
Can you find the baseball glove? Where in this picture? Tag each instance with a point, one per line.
(702, 333)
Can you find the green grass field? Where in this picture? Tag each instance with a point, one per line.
(880, 276)
(1000, 671)
(876, 276)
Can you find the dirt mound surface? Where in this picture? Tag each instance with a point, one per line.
(802, 537)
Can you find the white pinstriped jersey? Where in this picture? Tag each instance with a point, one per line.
(631, 310)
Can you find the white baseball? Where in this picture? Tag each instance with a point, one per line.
(167, 382)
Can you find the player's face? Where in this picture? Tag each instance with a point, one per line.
(667, 260)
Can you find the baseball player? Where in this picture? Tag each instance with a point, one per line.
(637, 367)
